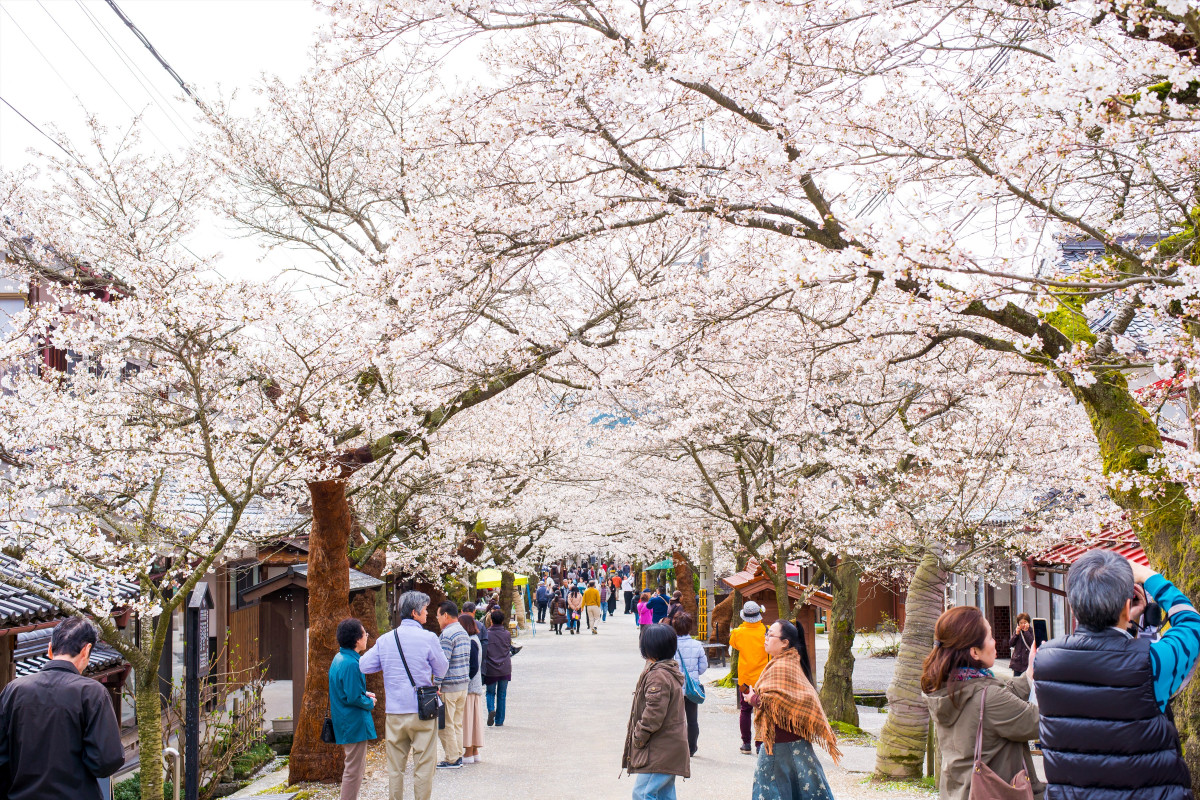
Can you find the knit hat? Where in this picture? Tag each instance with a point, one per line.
(752, 612)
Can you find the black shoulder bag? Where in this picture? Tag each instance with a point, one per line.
(427, 696)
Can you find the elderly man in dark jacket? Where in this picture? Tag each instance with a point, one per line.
(58, 733)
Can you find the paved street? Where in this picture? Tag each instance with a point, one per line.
(568, 706)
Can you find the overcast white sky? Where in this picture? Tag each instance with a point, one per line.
(63, 59)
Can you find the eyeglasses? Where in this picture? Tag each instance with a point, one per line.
(772, 636)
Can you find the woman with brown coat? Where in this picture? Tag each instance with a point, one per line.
(656, 743)
(956, 680)
(558, 614)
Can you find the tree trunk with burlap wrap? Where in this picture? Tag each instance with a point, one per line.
(328, 604)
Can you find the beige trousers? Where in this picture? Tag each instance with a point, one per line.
(352, 773)
(404, 733)
(593, 614)
(452, 734)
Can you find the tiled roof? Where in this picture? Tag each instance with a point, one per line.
(297, 575)
(30, 655)
(1125, 544)
(1147, 325)
(19, 607)
(358, 580)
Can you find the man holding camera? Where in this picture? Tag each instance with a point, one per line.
(1103, 694)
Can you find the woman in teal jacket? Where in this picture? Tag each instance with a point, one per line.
(350, 704)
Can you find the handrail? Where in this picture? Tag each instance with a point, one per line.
(177, 775)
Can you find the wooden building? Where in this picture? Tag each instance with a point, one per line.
(282, 601)
(754, 584)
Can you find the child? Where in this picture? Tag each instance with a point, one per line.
(645, 614)
(656, 743)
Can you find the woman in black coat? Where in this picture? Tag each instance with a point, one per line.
(1020, 645)
(497, 668)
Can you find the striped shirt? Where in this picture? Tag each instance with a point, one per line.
(456, 646)
(1173, 657)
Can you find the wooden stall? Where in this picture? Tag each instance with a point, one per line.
(754, 584)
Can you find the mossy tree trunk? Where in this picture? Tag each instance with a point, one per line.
(147, 701)
(901, 749)
(837, 685)
(1166, 521)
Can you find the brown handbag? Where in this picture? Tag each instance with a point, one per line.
(985, 783)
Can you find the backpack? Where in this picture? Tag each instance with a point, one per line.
(474, 661)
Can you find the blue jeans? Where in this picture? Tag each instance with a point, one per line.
(654, 786)
(604, 611)
(497, 693)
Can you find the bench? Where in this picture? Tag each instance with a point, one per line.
(716, 653)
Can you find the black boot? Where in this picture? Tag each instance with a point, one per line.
(491, 718)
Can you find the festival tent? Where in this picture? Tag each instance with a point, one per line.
(666, 563)
(490, 579)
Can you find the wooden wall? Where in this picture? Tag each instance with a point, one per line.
(876, 598)
(243, 640)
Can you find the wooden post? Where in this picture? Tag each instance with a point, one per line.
(7, 669)
(298, 642)
(806, 620)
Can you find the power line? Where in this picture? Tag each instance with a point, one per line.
(100, 73)
(33, 44)
(142, 38)
(33, 125)
(151, 90)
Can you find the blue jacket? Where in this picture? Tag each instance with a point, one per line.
(349, 705)
(543, 594)
(658, 607)
(690, 653)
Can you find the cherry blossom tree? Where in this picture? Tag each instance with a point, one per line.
(186, 417)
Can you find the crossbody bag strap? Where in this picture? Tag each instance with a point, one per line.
(979, 732)
(405, 660)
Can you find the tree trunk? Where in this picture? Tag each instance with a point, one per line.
(781, 587)
(686, 584)
(901, 749)
(328, 604)
(837, 687)
(506, 593)
(148, 706)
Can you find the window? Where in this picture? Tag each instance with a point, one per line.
(9, 306)
(241, 578)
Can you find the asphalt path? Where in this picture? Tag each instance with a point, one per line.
(568, 709)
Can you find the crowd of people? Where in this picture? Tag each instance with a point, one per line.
(1095, 702)
(441, 689)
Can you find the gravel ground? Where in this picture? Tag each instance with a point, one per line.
(568, 707)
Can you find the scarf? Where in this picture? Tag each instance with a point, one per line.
(787, 700)
(970, 673)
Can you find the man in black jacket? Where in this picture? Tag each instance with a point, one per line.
(58, 732)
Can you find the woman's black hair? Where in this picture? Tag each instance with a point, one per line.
(497, 616)
(349, 631)
(794, 639)
(658, 642)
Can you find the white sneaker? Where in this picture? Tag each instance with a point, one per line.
(468, 759)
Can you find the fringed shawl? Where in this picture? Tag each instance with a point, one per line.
(789, 701)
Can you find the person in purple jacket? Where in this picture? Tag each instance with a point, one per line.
(409, 644)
